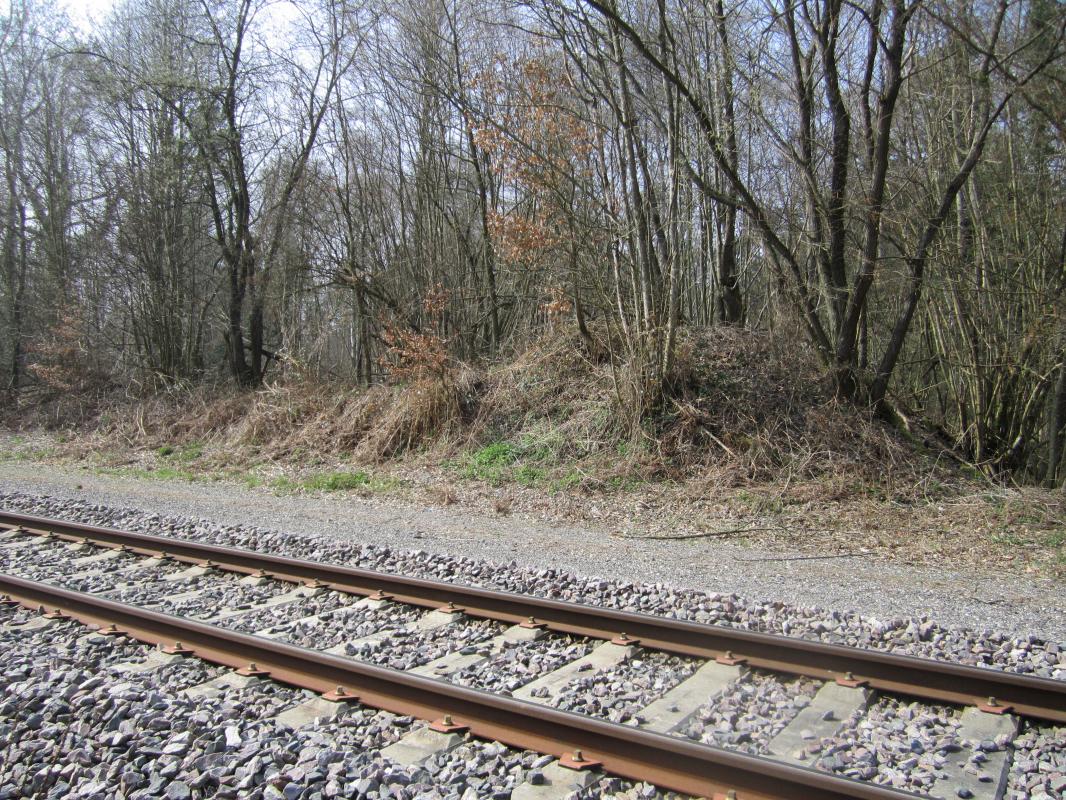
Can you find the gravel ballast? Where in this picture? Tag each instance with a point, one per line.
(1038, 771)
(519, 663)
(74, 726)
(621, 692)
(751, 712)
(205, 595)
(895, 743)
(296, 621)
(405, 648)
(746, 718)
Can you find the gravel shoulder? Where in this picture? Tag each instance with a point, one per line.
(955, 597)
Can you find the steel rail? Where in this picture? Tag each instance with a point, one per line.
(927, 679)
(671, 763)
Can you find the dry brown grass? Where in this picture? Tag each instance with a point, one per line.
(285, 422)
(739, 411)
(753, 410)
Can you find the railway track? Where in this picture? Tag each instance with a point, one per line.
(110, 566)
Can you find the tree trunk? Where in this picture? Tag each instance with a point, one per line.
(239, 369)
(731, 307)
(1056, 422)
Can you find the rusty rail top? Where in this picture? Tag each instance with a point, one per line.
(927, 679)
(672, 763)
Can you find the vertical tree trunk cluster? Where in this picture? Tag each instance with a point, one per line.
(249, 190)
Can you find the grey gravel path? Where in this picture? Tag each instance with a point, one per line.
(1008, 603)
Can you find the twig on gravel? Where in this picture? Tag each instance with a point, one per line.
(706, 534)
(802, 558)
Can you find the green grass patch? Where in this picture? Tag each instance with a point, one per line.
(26, 454)
(532, 461)
(492, 463)
(333, 482)
(251, 481)
(1008, 538)
(529, 475)
(497, 454)
(337, 481)
(566, 481)
(285, 484)
(173, 473)
(185, 453)
(622, 483)
(164, 473)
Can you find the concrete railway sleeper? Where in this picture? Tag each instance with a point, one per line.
(936, 681)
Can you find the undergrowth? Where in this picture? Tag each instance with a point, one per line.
(740, 411)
